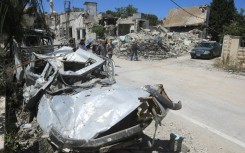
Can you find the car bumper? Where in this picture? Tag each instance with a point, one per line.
(200, 55)
(94, 145)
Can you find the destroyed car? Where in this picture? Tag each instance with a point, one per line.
(34, 40)
(206, 50)
(80, 108)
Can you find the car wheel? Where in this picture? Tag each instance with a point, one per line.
(211, 56)
(193, 56)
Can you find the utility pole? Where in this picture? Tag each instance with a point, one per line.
(51, 6)
(67, 7)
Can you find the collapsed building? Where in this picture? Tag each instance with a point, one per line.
(178, 35)
(184, 20)
(77, 23)
(157, 43)
(109, 22)
(74, 23)
(131, 24)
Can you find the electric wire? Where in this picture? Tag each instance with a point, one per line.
(210, 28)
(186, 10)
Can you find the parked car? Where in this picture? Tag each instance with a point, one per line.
(206, 50)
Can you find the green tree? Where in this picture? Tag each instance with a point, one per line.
(217, 18)
(123, 12)
(99, 30)
(225, 19)
(111, 13)
(231, 11)
(236, 27)
(127, 11)
(222, 13)
(236, 21)
(11, 25)
(11, 17)
(153, 19)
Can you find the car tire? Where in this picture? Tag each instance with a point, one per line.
(211, 56)
(193, 56)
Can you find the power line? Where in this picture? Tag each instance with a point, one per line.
(186, 11)
(212, 29)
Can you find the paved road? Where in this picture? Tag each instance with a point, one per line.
(213, 114)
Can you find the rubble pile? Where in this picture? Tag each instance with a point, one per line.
(158, 43)
(182, 42)
(28, 135)
(153, 49)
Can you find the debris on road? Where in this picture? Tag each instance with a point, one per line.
(158, 43)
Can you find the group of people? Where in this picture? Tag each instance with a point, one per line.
(101, 47)
(105, 48)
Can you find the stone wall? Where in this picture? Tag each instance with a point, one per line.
(232, 52)
(241, 56)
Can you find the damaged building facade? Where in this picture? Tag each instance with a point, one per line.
(74, 23)
(178, 20)
(77, 23)
(132, 24)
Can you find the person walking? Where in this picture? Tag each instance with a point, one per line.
(101, 48)
(94, 47)
(104, 42)
(109, 48)
(134, 50)
(82, 45)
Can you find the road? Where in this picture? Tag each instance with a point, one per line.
(213, 115)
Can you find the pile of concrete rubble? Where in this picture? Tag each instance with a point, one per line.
(157, 43)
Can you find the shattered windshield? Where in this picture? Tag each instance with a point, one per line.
(208, 45)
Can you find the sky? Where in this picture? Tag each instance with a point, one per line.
(158, 7)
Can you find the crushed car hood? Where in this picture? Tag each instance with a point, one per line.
(88, 113)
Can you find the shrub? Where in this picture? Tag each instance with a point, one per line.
(99, 30)
(230, 66)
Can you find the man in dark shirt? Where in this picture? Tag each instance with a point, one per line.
(81, 44)
(101, 48)
(134, 50)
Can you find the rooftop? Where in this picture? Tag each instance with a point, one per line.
(86, 3)
(178, 17)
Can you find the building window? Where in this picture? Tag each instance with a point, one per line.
(84, 33)
(78, 34)
(70, 32)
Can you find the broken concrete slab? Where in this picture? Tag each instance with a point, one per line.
(158, 43)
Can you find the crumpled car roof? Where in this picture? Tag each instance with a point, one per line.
(86, 114)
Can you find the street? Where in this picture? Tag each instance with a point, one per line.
(213, 113)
